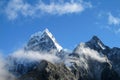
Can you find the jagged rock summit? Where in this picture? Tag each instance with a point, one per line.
(96, 43)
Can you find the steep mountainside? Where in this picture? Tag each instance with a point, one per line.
(48, 71)
(91, 60)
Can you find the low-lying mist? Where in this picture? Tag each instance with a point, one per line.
(90, 53)
(4, 73)
(35, 56)
(85, 56)
(23, 57)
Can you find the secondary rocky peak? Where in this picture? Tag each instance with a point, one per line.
(95, 38)
(96, 44)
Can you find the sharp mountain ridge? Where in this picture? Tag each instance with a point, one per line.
(91, 60)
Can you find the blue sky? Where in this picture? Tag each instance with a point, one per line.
(70, 21)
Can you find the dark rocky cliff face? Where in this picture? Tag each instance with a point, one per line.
(109, 73)
(113, 54)
(48, 71)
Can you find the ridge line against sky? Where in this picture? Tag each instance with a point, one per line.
(78, 20)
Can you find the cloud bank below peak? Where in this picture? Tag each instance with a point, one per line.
(15, 8)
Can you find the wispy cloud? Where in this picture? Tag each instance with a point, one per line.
(85, 55)
(109, 21)
(112, 20)
(114, 23)
(90, 53)
(20, 7)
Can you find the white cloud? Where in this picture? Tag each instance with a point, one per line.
(90, 53)
(113, 23)
(4, 74)
(22, 56)
(20, 7)
(112, 20)
(109, 21)
(85, 54)
(61, 8)
(15, 7)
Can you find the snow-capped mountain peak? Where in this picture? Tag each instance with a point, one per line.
(41, 34)
(46, 31)
(44, 41)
